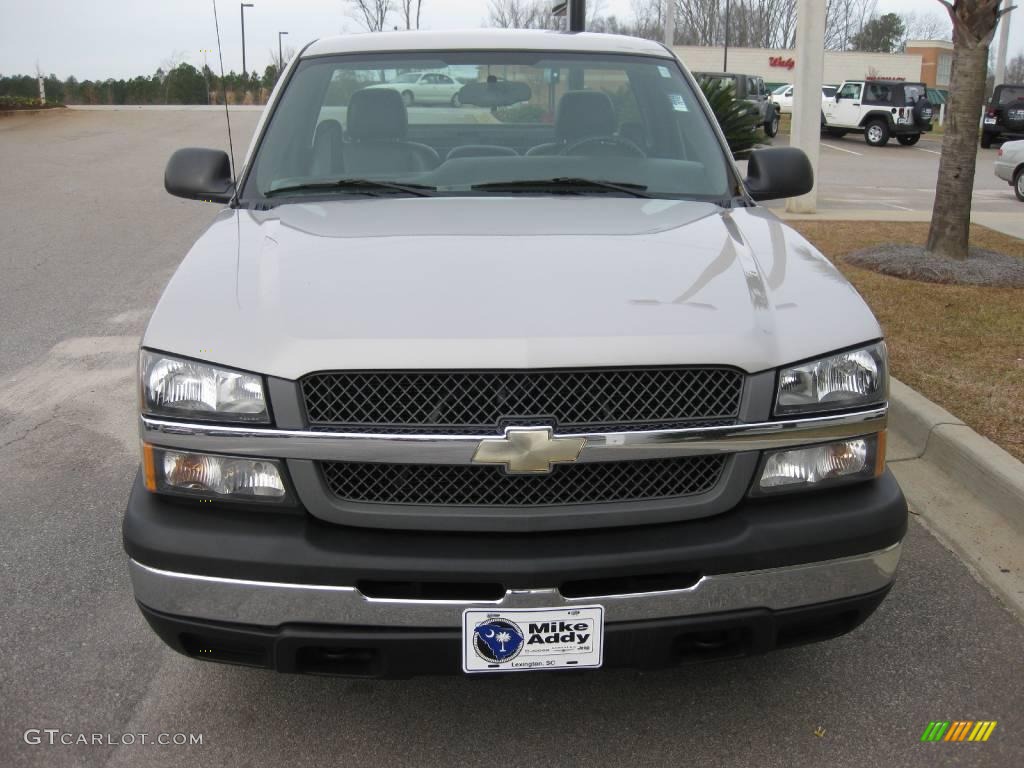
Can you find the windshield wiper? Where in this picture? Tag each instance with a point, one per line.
(567, 184)
(366, 186)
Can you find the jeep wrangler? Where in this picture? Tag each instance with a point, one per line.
(470, 390)
(1004, 115)
(751, 89)
(880, 109)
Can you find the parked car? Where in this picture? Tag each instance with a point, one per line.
(751, 89)
(1004, 115)
(783, 97)
(880, 109)
(437, 397)
(425, 88)
(1009, 166)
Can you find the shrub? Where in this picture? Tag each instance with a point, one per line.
(737, 119)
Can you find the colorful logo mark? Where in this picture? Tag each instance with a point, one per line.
(958, 730)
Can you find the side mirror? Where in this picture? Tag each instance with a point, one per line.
(199, 174)
(838, 97)
(779, 172)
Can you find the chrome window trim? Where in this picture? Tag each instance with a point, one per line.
(459, 449)
(274, 603)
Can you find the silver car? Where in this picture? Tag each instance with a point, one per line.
(1009, 165)
(541, 388)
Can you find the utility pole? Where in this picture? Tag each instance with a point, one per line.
(1004, 43)
(670, 23)
(577, 15)
(725, 56)
(280, 56)
(245, 72)
(805, 133)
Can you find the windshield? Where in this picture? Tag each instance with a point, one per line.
(780, 90)
(913, 91)
(1010, 94)
(481, 119)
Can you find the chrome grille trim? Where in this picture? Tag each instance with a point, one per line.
(459, 449)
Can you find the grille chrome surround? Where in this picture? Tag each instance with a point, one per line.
(491, 486)
(482, 402)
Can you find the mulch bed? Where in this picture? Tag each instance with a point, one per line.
(913, 262)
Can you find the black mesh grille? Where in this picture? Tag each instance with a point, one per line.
(485, 486)
(487, 401)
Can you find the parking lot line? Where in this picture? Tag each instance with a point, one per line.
(840, 149)
(931, 151)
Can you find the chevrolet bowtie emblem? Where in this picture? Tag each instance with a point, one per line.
(528, 450)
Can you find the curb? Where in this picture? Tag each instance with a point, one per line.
(934, 435)
(13, 112)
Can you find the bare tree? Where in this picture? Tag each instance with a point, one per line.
(521, 14)
(286, 55)
(924, 26)
(844, 19)
(372, 14)
(647, 19)
(1015, 69)
(974, 25)
(410, 10)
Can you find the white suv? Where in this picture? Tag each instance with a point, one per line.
(782, 97)
(880, 109)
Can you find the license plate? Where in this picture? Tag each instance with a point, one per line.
(519, 640)
(990, 121)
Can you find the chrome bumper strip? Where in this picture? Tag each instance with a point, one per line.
(272, 603)
(459, 449)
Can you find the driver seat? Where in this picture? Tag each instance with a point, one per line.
(580, 115)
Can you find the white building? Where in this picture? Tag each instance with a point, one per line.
(776, 65)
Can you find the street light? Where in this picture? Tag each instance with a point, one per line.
(280, 56)
(242, 11)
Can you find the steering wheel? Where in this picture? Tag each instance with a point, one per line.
(617, 145)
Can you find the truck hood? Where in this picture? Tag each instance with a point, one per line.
(519, 282)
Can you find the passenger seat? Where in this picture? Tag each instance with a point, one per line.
(378, 124)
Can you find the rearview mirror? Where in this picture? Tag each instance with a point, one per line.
(199, 174)
(495, 93)
(779, 172)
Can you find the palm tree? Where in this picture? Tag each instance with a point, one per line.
(503, 637)
(736, 118)
(974, 25)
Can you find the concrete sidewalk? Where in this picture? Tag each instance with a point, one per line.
(1011, 224)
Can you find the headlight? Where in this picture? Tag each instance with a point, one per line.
(822, 465)
(845, 380)
(181, 388)
(211, 476)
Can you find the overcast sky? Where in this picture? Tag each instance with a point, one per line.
(97, 39)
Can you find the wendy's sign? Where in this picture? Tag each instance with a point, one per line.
(779, 61)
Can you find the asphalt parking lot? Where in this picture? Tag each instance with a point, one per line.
(88, 238)
(897, 178)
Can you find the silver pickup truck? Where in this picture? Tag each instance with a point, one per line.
(524, 381)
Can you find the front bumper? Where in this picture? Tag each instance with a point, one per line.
(215, 581)
(1006, 131)
(382, 652)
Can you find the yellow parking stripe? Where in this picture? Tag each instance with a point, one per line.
(988, 731)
